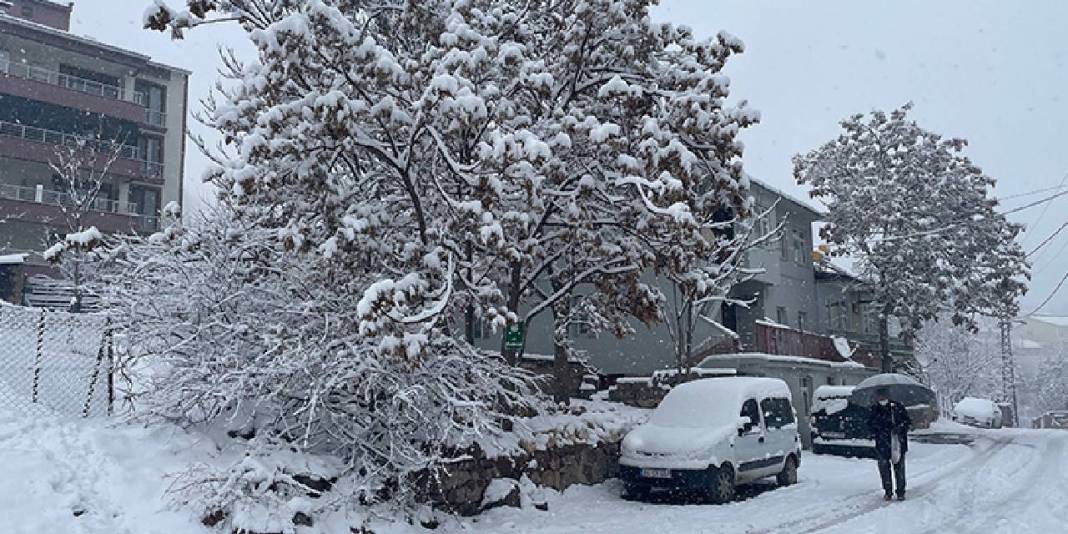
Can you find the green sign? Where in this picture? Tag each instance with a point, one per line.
(513, 337)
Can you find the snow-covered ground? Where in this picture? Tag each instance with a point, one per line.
(78, 476)
(1008, 481)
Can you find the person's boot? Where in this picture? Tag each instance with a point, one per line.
(888, 497)
(900, 495)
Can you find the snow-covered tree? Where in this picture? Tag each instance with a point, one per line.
(510, 137)
(642, 158)
(959, 363)
(80, 167)
(1050, 386)
(387, 168)
(698, 295)
(918, 216)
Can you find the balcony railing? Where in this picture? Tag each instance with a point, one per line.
(83, 85)
(41, 135)
(41, 195)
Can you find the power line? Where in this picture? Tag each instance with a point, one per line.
(1046, 208)
(1035, 192)
(1048, 239)
(1042, 269)
(1051, 295)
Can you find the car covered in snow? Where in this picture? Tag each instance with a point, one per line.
(982, 413)
(711, 435)
(839, 426)
(842, 428)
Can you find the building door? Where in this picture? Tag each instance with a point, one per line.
(730, 317)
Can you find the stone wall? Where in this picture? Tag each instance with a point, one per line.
(461, 487)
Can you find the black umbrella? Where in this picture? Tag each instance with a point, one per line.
(900, 388)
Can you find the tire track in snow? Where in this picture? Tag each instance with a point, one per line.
(1041, 478)
(865, 503)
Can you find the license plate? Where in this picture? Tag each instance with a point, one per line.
(656, 473)
(833, 434)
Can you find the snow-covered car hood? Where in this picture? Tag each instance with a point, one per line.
(676, 442)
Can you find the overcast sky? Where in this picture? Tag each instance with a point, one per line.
(990, 71)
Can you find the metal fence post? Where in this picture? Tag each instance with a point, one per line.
(111, 370)
(40, 355)
(96, 368)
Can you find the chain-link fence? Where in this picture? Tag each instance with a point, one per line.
(55, 362)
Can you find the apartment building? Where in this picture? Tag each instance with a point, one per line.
(58, 88)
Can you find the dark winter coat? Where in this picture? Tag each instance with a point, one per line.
(884, 421)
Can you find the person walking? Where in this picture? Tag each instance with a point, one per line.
(889, 425)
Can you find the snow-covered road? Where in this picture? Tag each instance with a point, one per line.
(67, 475)
(1007, 481)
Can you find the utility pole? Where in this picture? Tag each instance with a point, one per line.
(1008, 370)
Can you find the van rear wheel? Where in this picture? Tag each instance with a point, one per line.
(788, 475)
(722, 484)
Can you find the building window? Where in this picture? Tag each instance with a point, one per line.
(146, 199)
(836, 315)
(780, 315)
(869, 319)
(784, 246)
(150, 148)
(761, 225)
(27, 12)
(581, 321)
(800, 252)
(802, 320)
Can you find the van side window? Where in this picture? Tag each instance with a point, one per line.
(777, 412)
(750, 410)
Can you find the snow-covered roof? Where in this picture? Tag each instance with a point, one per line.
(13, 259)
(834, 391)
(719, 371)
(548, 357)
(11, 19)
(776, 358)
(779, 192)
(1052, 319)
(1029, 344)
(888, 379)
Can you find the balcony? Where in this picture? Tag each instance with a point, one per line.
(41, 143)
(44, 206)
(126, 104)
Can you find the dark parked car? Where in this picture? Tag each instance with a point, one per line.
(838, 426)
(840, 413)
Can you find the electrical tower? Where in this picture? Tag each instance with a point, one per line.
(1008, 370)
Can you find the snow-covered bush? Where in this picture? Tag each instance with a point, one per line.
(242, 335)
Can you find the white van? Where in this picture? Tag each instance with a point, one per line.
(713, 434)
